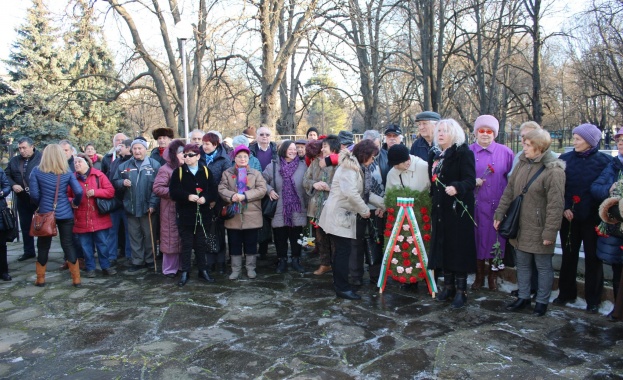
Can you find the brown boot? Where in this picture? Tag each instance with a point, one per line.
(74, 269)
(479, 282)
(322, 270)
(40, 274)
(492, 279)
(82, 264)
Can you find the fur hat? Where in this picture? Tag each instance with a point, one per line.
(590, 133)
(397, 154)
(487, 121)
(167, 132)
(249, 133)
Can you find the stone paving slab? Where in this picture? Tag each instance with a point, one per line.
(283, 326)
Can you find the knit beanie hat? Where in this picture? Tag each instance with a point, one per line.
(397, 154)
(487, 121)
(590, 133)
(140, 141)
(345, 137)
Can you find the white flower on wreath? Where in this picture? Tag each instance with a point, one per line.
(405, 227)
(418, 265)
(409, 270)
(414, 251)
(396, 248)
(410, 239)
(400, 269)
(394, 261)
(400, 238)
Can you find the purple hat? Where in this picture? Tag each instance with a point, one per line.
(487, 121)
(240, 148)
(590, 133)
(619, 133)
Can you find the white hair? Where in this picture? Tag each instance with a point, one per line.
(372, 134)
(240, 140)
(453, 131)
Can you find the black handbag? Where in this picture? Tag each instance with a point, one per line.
(509, 227)
(106, 206)
(10, 225)
(269, 206)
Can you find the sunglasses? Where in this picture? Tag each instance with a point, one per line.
(487, 131)
(191, 155)
(264, 134)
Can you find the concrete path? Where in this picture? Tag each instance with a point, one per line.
(143, 326)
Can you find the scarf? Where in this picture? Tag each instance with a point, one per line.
(83, 177)
(210, 157)
(161, 151)
(93, 158)
(370, 184)
(290, 199)
(587, 152)
(241, 187)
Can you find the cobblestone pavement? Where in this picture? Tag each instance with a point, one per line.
(142, 325)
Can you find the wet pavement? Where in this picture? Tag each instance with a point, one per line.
(142, 325)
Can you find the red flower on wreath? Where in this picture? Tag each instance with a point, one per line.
(576, 199)
(389, 226)
(426, 237)
(405, 255)
(423, 211)
(389, 272)
(425, 218)
(391, 210)
(394, 277)
(422, 274)
(387, 233)
(407, 263)
(405, 245)
(427, 227)
(402, 279)
(391, 218)
(413, 280)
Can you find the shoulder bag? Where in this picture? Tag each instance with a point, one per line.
(44, 225)
(106, 205)
(509, 227)
(269, 206)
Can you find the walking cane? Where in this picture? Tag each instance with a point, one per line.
(153, 247)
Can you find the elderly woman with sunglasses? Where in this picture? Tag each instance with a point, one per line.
(493, 163)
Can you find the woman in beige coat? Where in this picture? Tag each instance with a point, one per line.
(244, 187)
(347, 199)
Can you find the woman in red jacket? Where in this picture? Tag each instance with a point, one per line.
(91, 226)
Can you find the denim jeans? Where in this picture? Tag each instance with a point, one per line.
(99, 239)
(545, 273)
(65, 229)
(117, 217)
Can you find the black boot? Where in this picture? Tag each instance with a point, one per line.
(519, 304)
(449, 290)
(539, 309)
(222, 268)
(282, 267)
(296, 265)
(183, 279)
(461, 295)
(204, 275)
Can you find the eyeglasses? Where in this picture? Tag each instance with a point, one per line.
(264, 134)
(487, 131)
(191, 155)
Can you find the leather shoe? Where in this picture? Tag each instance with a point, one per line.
(25, 257)
(183, 279)
(560, 301)
(349, 295)
(6, 277)
(519, 304)
(204, 275)
(109, 271)
(539, 309)
(323, 269)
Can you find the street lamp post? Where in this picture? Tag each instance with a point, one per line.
(183, 32)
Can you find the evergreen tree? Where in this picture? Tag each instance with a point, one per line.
(35, 72)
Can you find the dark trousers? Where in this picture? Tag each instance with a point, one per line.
(65, 229)
(581, 232)
(26, 210)
(221, 255)
(325, 248)
(4, 264)
(196, 241)
(242, 240)
(356, 259)
(616, 278)
(342, 247)
(284, 234)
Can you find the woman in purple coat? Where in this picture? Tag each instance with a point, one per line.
(493, 162)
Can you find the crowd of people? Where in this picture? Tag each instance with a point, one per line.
(228, 199)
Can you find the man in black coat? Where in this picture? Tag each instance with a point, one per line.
(426, 122)
(18, 171)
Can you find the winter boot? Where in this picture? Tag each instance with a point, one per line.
(492, 279)
(74, 270)
(449, 290)
(40, 275)
(296, 265)
(183, 279)
(461, 295)
(236, 266)
(479, 282)
(282, 267)
(250, 263)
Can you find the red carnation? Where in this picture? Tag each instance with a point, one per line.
(402, 279)
(434, 178)
(394, 277)
(389, 225)
(426, 237)
(407, 263)
(427, 227)
(413, 280)
(390, 210)
(426, 218)
(576, 199)
(405, 255)
(490, 168)
(387, 233)
(199, 190)
(389, 272)
(422, 274)
(391, 218)
(423, 211)
(405, 245)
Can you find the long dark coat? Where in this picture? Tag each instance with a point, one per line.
(453, 245)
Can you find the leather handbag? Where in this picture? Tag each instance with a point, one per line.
(509, 227)
(269, 206)
(8, 219)
(44, 225)
(107, 205)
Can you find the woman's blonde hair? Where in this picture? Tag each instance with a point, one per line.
(539, 138)
(452, 129)
(53, 160)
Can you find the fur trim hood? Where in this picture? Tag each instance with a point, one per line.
(349, 161)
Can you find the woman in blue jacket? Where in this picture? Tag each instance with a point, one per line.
(54, 170)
